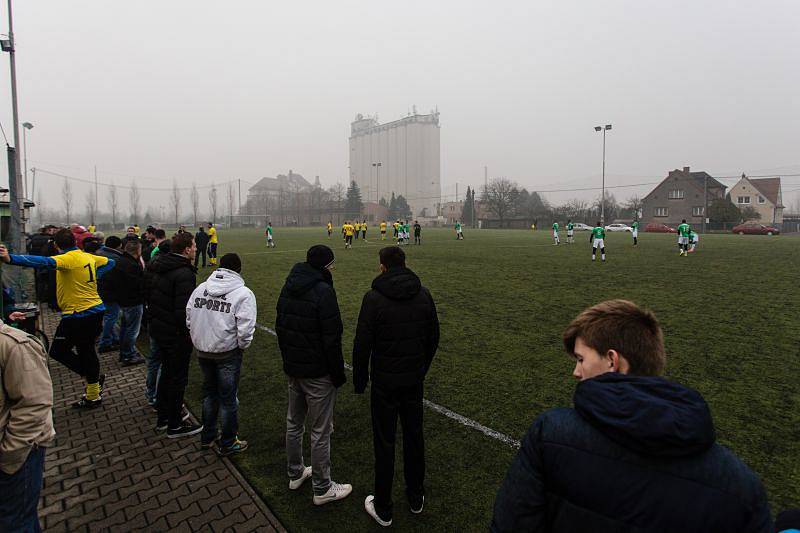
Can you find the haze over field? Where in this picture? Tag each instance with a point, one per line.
(207, 91)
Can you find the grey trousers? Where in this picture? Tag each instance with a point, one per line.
(310, 400)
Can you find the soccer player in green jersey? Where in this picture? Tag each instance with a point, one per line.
(597, 238)
(635, 232)
(684, 230)
(694, 238)
(570, 232)
(555, 233)
(459, 231)
(270, 241)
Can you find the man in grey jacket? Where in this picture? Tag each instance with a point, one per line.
(221, 317)
(26, 427)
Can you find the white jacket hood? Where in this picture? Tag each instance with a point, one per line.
(221, 313)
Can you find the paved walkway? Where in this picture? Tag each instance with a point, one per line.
(109, 470)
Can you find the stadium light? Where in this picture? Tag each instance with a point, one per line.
(604, 129)
(377, 180)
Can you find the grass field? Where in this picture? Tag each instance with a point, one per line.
(730, 313)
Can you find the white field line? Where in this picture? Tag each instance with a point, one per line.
(442, 410)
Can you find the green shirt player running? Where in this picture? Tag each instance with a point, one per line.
(635, 232)
(683, 238)
(570, 232)
(597, 238)
(555, 234)
(459, 231)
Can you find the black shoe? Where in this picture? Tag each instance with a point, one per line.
(416, 507)
(184, 430)
(161, 427)
(102, 382)
(185, 414)
(208, 445)
(106, 349)
(130, 361)
(83, 403)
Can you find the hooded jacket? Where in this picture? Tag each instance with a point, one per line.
(221, 315)
(635, 454)
(80, 235)
(309, 326)
(108, 285)
(398, 329)
(169, 282)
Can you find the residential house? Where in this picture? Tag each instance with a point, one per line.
(763, 194)
(680, 197)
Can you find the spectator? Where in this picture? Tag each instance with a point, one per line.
(26, 428)
(81, 309)
(91, 245)
(221, 316)
(130, 233)
(160, 237)
(42, 244)
(170, 280)
(79, 233)
(398, 333)
(201, 238)
(148, 243)
(107, 288)
(637, 452)
(309, 328)
(130, 297)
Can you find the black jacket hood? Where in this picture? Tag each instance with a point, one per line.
(162, 263)
(303, 277)
(397, 284)
(648, 415)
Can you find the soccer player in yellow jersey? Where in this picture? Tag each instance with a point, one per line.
(349, 230)
(92, 228)
(383, 230)
(136, 229)
(330, 228)
(81, 307)
(212, 244)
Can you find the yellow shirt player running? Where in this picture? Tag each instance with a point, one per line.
(383, 230)
(349, 230)
(212, 243)
(330, 229)
(82, 309)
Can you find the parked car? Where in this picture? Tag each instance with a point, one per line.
(657, 227)
(755, 229)
(618, 227)
(580, 226)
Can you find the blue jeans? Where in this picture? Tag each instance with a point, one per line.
(110, 335)
(131, 322)
(153, 371)
(20, 498)
(220, 387)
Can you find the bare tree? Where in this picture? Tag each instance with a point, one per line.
(337, 194)
(500, 197)
(195, 197)
(113, 204)
(91, 206)
(633, 206)
(66, 194)
(134, 201)
(175, 198)
(213, 201)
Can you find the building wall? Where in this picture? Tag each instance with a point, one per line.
(409, 152)
(744, 191)
(678, 208)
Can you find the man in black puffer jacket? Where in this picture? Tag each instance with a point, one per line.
(398, 330)
(637, 453)
(309, 328)
(170, 281)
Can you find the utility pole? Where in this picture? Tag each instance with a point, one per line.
(96, 205)
(604, 129)
(240, 196)
(705, 200)
(15, 175)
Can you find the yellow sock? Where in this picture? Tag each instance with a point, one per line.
(92, 391)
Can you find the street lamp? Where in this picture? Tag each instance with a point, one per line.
(27, 126)
(377, 180)
(604, 129)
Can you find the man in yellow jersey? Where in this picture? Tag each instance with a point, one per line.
(212, 244)
(81, 307)
(92, 228)
(383, 230)
(330, 228)
(136, 229)
(349, 230)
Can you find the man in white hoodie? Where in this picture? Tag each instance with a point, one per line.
(221, 317)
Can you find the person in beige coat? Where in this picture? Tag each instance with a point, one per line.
(26, 427)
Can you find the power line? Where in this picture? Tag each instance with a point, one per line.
(128, 187)
(4, 133)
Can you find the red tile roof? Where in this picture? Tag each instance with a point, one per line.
(769, 187)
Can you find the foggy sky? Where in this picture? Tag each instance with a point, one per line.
(211, 91)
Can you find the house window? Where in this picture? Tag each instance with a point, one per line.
(662, 212)
(743, 200)
(676, 194)
(697, 211)
(761, 199)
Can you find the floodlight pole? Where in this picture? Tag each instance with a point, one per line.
(15, 181)
(603, 188)
(377, 181)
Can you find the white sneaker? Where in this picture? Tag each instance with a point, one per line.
(369, 507)
(336, 491)
(295, 484)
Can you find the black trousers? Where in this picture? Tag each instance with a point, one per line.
(175, 356)
(80, 334)
(386, 406)
(200, 251)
